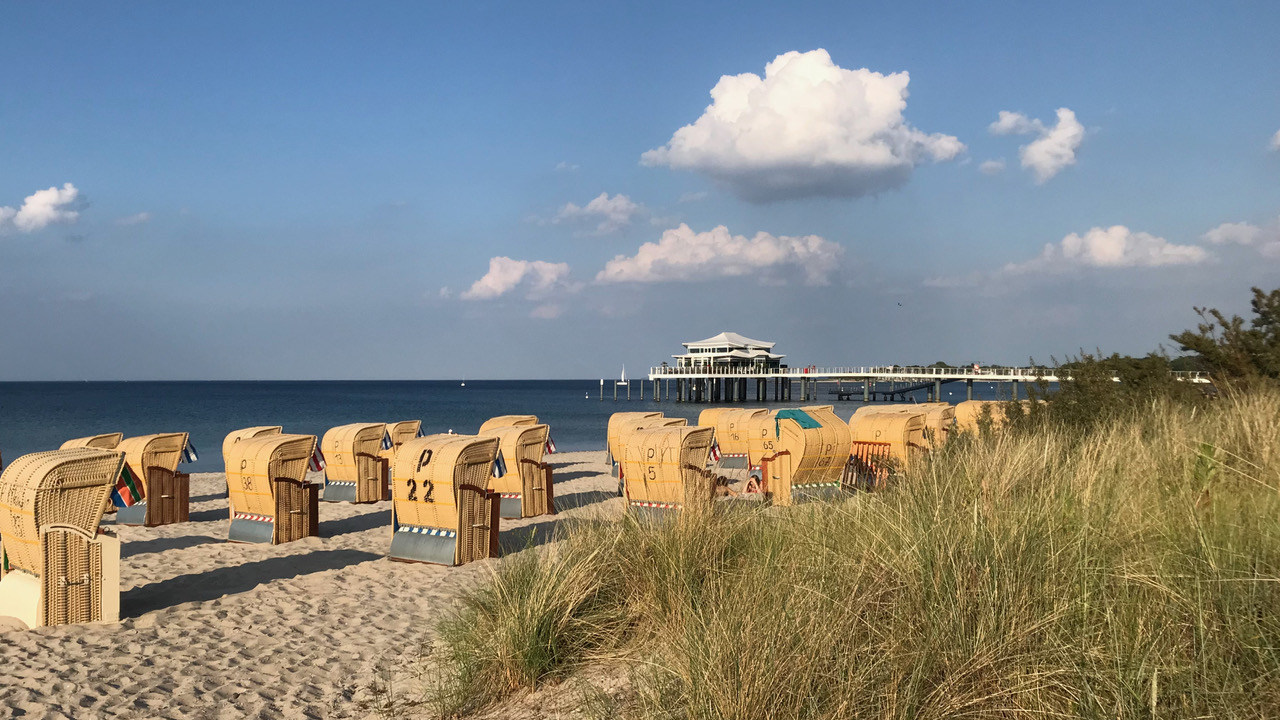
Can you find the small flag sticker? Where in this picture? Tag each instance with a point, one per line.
(550, 447)
(386, 440)
(317, 460)
(499, 466)
(715, 451)
(189, 454)
(128, 490)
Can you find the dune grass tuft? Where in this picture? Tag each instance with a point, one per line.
(1129, 571)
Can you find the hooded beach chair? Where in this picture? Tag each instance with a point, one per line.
(354, 470)
(940, 418)
(970, 415)
(811, 449)
(236, 436)
(616, 421)
(166, 493)
(628, 429)
(396, 435)
(507, 421)
(105, 441)
(731, 426)
(526, 488)
(902, 433)
(442, 508)
(666, 470)
(269, 497)
(62, 567)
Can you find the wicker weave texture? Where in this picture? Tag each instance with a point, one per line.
(628, 430)
(507, 421)
(59, 487)
(905, 432)
(441, 482)
(616, 423)
(522, 448)
(259, 467)
(351, 454)
(154, 460)
(762, 440)
(813, 456)
(940, 418)
(105, 441)
(236, 436)
(733, 429)
(663, 466)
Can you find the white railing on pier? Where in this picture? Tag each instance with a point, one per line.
(888, 372)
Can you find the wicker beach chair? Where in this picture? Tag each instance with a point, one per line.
(443, 510)
(166, 493)
(970, 415)
(354, 470)
(507, 421)
(526, 490)
(666, 470)
(811, 450)
(903, 431)
(629, 429)
(940, 418)
(62, 567)
(731, 433)
(270, 498)
(105, 441)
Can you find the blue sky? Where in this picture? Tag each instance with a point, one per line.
(318, 190)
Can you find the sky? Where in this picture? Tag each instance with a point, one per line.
(551, 190)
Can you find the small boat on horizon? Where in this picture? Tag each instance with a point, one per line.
(623, 379)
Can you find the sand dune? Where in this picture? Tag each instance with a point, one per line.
(219, 630)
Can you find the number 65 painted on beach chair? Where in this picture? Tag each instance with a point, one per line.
(443, 510)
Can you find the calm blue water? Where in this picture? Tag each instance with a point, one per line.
(40, 416)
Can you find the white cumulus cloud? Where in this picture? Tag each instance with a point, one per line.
(682, 254)
(42, 208)
(610, 214)
(807, 128)
(1275, 141)
(1238, 233)
(506, 275)
(991, 167)
(1053, 149)
(1113, 247)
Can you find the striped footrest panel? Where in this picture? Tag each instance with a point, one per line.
(511, 496)
(343, 483)
(427, 531)
(256, 518)
(656, 506)
(816, 485)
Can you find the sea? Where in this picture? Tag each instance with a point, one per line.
(37, 416)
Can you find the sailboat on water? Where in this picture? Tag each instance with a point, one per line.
(623, 379)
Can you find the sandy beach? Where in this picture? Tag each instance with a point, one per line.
(211, 629)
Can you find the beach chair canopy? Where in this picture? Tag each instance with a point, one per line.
(403, 431)
(162, 451)
(441, 510)
(105, 441)
(629, 429)
(665, 468)
(708, 417)
(616, 422)
(353, 462)
(270, 500)
(940, 418)
(524, 488)
(506, 421)
(731, 426)
(68, 571)
(236, 436)
(905, 432)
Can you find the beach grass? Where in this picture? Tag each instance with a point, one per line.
(1129, 569)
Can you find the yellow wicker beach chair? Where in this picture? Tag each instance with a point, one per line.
(666, 469)
(940, 418)
(616, 422)
(810, 456)
(443, 510)
(354, 471)
(970, 414)
(526, 489)
(63, 568)
(507, 421)
(106, 441)
(731, 433)
(166, 493)
(903, 431)
(270, 498)
(627, 430)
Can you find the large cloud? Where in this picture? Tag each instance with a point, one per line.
(1053, 149)
(506, 275)
(41, 209)
(1234, 233)
(807, 128)
(682, 254)
(610, 214)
